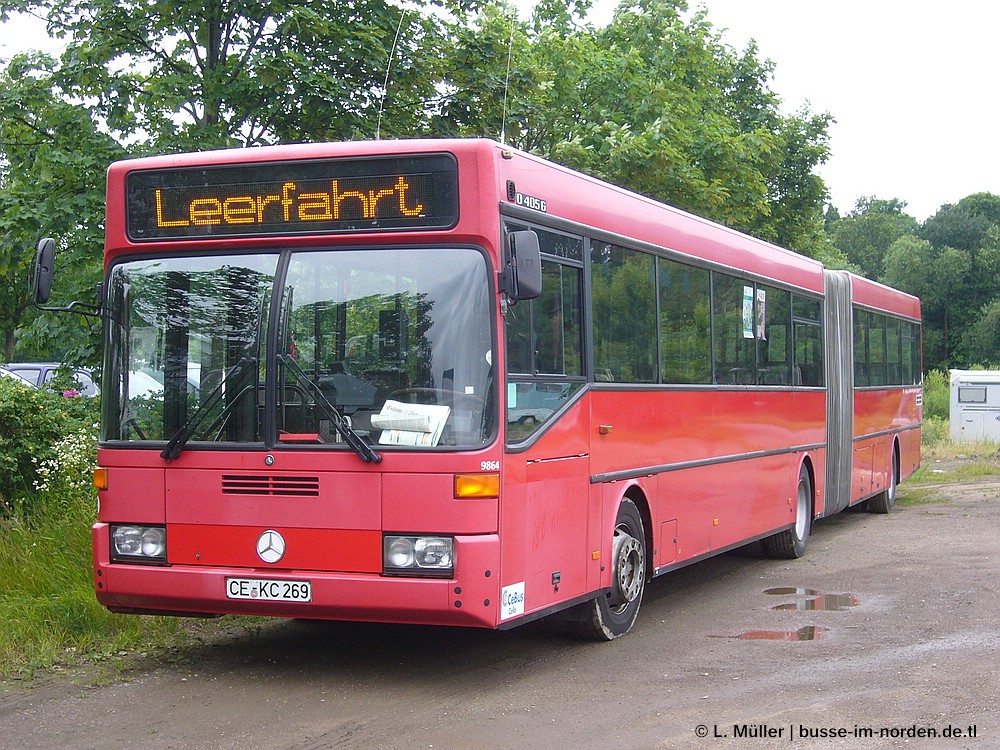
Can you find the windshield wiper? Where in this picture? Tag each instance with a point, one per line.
(351, 437)
(180, 438)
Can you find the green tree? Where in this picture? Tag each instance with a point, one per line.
(52, 165)
(654, 102)
(981, 340)
(182, 75)
(915, 266)
(175, 76)
(954, 267)
(865, 234)
(959, 226)
(985, 205)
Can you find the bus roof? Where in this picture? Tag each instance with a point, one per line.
(881, 297)
(503, 176)
(611, 211)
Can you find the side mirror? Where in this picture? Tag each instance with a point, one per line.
(41, 282)
(523, 277)
(45, 257)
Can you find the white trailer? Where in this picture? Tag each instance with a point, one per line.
(975, 405)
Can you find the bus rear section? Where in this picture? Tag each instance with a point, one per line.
(875, 396)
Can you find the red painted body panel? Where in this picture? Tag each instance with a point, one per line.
(879, 415)
(471, 598)
(737, 496)
(554, 520)
(484, 169)
(477, 164)
(550, 514)
(670, 427)
(880, 297)
(611, 209)
(424, 503)
(333, 535)
(135, 494)
(346, 500)
(314, 549)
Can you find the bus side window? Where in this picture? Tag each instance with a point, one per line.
(860, 348)
(545, 338)
(685, 323)
(773, 337)
(732, 315)
(808, 342)
(624, 308)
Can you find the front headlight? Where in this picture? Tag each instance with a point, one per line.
(418, 555)
(133, 543)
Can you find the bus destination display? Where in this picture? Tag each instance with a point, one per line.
(307, 197)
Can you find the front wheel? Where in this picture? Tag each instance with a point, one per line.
(791, 543)
(612, 615)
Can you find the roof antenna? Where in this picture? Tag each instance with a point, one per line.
(385, 84)
(506, 84)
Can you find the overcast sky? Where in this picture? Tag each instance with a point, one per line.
(913, 85)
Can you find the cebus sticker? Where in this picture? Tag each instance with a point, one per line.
(512, 601)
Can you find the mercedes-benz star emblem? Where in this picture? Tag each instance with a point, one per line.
(270, 546)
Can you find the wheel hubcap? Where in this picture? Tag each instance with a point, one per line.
(894, 471)
(629, 569)
(802, 511)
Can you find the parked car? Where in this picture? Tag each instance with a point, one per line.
(40, 373)
(8, 375)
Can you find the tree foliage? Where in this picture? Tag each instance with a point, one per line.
(31, 422)
(51, 181)
(865, 234)
(183, 75)
(654, 102)
(952, 262)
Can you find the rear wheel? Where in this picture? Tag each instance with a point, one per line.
(791, 543)
(611, 615)
(886, 500)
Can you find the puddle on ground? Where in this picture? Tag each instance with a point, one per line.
(806, 600)
(806, 633)
(791, 591)
(813, 600)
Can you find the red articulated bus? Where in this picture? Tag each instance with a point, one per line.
(447, 382)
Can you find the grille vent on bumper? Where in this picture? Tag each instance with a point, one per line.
(235, 484)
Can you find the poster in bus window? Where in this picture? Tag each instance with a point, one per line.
(761, 313)
(748, 312)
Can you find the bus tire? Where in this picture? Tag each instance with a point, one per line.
(791, 543)
(612, 615)
(885, 501)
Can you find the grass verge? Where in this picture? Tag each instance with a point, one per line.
(909, 497)
(47, 605)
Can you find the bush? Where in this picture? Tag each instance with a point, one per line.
(64, 479)
(937, 395)
(34, 425)
(48, 443)
(934, 432)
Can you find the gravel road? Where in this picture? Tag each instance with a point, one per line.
(885, 635)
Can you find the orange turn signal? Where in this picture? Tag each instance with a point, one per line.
(477, 485)
(101, 478)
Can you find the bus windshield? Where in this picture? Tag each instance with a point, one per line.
(392, 345)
